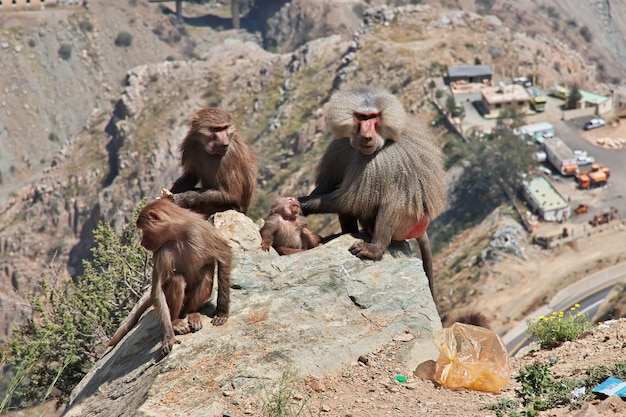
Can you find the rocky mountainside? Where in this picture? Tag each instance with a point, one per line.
(86, 138)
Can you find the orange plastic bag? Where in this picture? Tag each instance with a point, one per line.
(471, 357)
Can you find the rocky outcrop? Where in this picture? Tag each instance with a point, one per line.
(300, 21)
(314, 312)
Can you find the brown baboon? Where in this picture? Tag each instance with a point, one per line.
(286, 229)
(214, 154)
(185, 249)
(380, 170)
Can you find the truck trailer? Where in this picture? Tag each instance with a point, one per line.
(538, 132)
(561, 156)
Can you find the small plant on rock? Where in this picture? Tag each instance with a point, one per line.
(283, 400)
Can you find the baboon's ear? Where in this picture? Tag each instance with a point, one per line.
(154, 216)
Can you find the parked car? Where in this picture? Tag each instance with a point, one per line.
(540, 156)
(559, 92)
(523, 81)
(593, 123)
(585, 160)
(580, 152)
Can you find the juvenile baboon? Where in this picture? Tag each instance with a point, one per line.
(185, 249)
(214, 155)
(286, 229)
(381, 170)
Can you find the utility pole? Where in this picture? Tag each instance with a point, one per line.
(234, 10)
(179, 10)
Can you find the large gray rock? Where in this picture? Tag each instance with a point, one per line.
(315, 312)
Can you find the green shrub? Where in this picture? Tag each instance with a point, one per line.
(586, 34)
(559, 327)
(85, 25)
(73, 320)
(65, 51)
(123, 39)
(540, 390)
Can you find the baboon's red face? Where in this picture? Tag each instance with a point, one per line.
(366, 137)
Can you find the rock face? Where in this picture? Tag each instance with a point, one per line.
(313, 312)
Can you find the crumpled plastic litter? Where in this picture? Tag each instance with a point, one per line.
(471, 357)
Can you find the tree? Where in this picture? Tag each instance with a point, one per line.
(451, 106)
(431, 87)
(460, 114)
(574, 97)
(490, 163)
(510, 117)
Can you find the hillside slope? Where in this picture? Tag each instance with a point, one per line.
(123, 146)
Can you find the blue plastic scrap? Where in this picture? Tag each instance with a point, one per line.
(612, 386)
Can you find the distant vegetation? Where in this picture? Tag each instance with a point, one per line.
(123, 39)
(491, 164)
(85, 26)
(65, 51)
(50, 353)
(586, 34)
(573, 98)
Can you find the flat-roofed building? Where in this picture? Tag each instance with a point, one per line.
(545, 200)
(498, 97)
(601, 103)
(470, 73)
(11, 4)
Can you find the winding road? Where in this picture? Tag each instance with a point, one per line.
(589, 293)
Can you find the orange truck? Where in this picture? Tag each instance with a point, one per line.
(597, 177)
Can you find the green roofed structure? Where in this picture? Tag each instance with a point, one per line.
(545, 200)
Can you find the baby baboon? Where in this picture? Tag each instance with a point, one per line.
(286, 229)
(185, 249)
(380, 170)
(215, 155)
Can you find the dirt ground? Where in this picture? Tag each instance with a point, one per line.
(369, 387)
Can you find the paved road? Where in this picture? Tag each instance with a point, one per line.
(588, 292)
